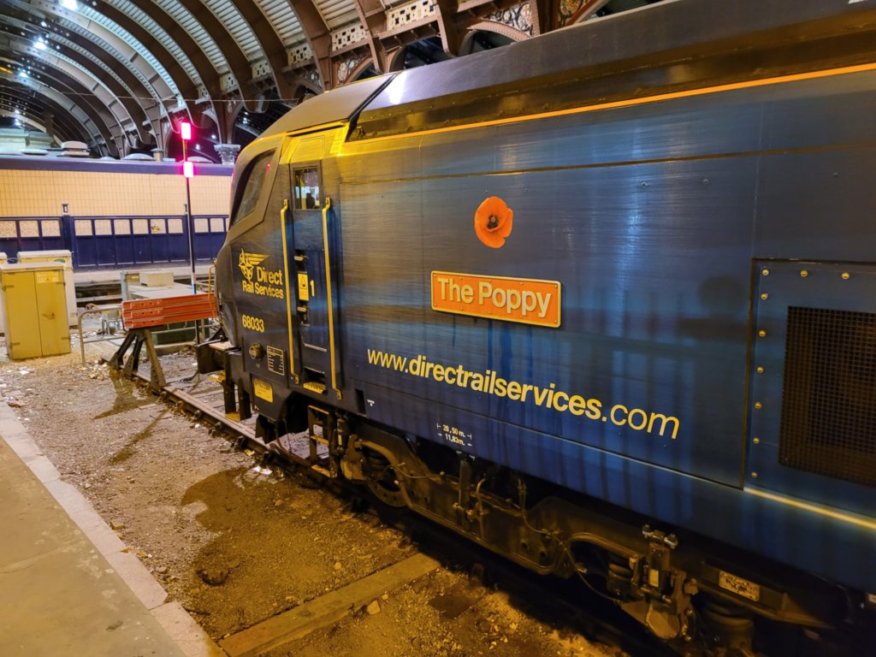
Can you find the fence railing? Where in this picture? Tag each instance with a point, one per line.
(115, 241)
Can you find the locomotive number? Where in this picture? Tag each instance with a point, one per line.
(253, 323)
(739, 585)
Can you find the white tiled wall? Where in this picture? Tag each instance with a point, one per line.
(41, 193)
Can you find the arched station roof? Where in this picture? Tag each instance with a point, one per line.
(120, 74)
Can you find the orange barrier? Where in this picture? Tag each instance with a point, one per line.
(149, 313)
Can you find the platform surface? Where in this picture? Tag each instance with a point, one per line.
(58, 594)
(86, 276)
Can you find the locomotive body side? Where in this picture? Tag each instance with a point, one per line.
(660, 259)
(551, 332)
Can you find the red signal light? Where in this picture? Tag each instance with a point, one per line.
(185, 130)
(189, 169)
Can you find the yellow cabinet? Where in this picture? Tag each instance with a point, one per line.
(35, 305)
(57, 257)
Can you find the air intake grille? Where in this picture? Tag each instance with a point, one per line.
(829, 400)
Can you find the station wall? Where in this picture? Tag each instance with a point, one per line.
(111, 213)
(38, 186)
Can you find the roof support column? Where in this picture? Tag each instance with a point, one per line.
(373, 17)
(540, 10)
(319, 37)
(223, 115)
(446, 14)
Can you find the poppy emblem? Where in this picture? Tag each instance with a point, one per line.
(493, 221)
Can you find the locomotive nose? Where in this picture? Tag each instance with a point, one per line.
(224, 293)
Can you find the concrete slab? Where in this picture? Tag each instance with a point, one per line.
(16, 435)
(67, 496)
(42, 467)
(185, 631)
(138, 578)
(99, 533)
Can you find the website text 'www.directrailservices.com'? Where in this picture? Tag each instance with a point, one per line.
(546, 397)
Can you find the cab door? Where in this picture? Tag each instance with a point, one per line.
(309, 235)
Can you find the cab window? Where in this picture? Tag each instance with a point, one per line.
(254, 178)
(307, 192)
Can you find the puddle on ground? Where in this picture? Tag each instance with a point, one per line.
(220, 494)
(128, 398)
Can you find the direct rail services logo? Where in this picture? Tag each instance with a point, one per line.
(257, 279)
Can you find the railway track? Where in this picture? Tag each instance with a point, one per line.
(567, 604)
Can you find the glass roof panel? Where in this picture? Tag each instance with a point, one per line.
(135, 45)
(284, 19)
(337, 13)
(195, 30)
(230, 17)
(156, 31)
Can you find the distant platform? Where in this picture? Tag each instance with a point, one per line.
(92, 276)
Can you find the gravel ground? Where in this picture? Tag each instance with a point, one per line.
(236, 543)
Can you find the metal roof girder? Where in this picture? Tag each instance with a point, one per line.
(88, 55)
(210, 76)
(79, 76)
(43, 102)
(186, 85)
(270, 42)
(229, 47)
(373, 16)
(318, 37)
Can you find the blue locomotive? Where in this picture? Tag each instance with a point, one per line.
(603, 302)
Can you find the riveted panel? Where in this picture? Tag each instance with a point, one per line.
(813, 387)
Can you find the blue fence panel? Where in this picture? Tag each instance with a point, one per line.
(209, 236)
(30, 234)
(115, 241)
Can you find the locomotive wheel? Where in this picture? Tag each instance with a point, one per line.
(381, 480)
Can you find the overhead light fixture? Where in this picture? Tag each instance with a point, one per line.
(23, 74)
(72, 5)
(39, 43)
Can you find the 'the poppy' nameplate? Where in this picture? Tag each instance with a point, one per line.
(524, 300)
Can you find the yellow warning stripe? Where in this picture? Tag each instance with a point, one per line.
(856, 520)
(329, 301)
(283, 212)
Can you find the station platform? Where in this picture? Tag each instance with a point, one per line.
(90, 276)
(68, 585)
